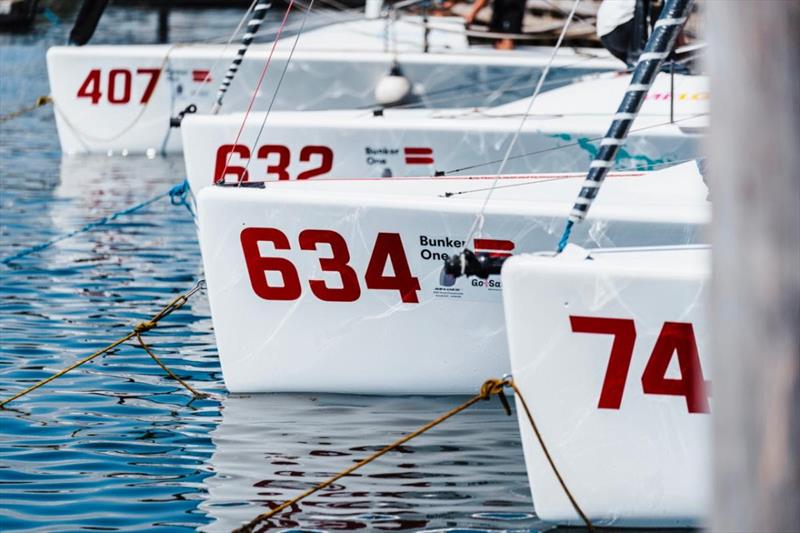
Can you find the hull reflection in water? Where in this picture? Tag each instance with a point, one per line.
(469, 472)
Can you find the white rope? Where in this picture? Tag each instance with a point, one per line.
(477, 224)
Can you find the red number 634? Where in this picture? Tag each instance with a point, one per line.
(388, 248)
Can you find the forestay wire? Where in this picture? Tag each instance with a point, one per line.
(478, 222)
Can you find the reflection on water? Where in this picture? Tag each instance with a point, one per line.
(117, 446)
(269, 448)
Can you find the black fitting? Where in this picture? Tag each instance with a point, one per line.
(175, 122)
(242, 184)
(469, 263)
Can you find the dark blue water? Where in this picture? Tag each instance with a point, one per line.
(115, 445)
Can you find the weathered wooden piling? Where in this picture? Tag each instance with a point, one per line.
(755, 188)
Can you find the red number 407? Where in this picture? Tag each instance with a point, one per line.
(118, 85)
(675, 337)
(388, 248)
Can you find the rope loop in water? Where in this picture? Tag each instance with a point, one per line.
(136, 331)
(142, 327)
(180, 194)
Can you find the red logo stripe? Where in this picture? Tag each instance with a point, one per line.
(409, 150)
(419, 160)
(495, 247)
(493, 244)
(201, 76)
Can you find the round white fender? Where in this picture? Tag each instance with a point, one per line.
(392, 88)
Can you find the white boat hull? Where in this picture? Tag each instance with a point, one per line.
(119, 99)
(376, 319)
(562, 135)
(611, 355)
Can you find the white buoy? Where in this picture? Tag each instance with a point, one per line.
(392, 88)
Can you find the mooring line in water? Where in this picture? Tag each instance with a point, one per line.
(138, 329)
(177, 195)
(491, 387)
(40, 102)
(166, 369)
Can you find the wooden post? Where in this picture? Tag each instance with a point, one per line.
(754, 61)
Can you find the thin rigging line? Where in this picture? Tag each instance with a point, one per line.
(478, 222)
(576, 175)
(570, 145)
(257, 88)
(277, 88)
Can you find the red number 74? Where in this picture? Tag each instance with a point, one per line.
(675, 337)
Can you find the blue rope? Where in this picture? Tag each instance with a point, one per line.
(177, 195)
(562, 243)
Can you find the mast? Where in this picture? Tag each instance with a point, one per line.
(86, 21)
(659, 45)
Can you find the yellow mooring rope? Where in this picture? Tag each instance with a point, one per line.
(40, 101)
(490, 388)
(140, 328)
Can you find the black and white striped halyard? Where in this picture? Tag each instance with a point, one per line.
(659, 45)
(253, 25)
